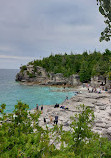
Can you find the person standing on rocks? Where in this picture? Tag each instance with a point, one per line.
(110, 102)
(44, 120)
(56, 120)
(42, 109)
(37, 107)
(50, 117)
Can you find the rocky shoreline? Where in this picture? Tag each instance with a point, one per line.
(100, 103)
(30, 75)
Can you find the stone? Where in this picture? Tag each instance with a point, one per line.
(102, 108)
(107, 133)
(102, 125)
(109, 112)
(109, 130)
(108, 125)
(98, 121)
(100, 104)
(74, 80)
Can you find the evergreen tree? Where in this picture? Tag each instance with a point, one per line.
(84, 72)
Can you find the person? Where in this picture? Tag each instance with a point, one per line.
(66, 97)
(56, 120)
(56, 105)
(95, 90)
(62, 107)
(105, 88)
(42, 108)
(44, 120)
(37, 107)
(99, 92)
(50, 117)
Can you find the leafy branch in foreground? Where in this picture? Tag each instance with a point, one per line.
(81, 141)
(21, 136)
(105, 10)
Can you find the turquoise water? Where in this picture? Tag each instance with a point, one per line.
(11, 92)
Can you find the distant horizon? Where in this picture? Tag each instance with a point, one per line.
(88, 51)
(8, 69)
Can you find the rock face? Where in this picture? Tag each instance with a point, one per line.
(74, 80)
(97, 81)
(39, 75)
(57, 79)
(32, 74)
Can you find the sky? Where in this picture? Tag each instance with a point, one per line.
(33, 29)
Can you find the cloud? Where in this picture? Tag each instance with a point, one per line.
(16, 57)
(34, 29)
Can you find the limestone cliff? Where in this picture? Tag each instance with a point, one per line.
(39, 75)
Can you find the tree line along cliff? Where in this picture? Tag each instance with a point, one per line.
(83, 66)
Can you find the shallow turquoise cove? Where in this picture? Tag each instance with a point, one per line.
(11, 92)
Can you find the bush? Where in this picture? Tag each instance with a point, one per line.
(24, 67)
(21, 136)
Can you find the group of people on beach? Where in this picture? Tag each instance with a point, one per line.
(37, 107)
(51, 120)
(62, 107)
(95, 89)
(56, 117)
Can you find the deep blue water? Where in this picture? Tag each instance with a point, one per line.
(11, 92)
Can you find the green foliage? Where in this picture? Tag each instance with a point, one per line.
(17, 134)
(109, 76)
(86, 64)
(81, 141)
(82, 125)
(21, 136)
(85, 74)
(105, 10)
(81, 130)
(101, 68)
(24, 67)
(31, 75)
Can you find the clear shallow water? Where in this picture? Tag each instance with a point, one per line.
(11, 92)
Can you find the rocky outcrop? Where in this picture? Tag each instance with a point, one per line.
(100, 80)
(32, 74)
(74, 80)
(57, 79)
(39, 75)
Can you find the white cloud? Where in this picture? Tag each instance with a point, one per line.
(30, 29)
(16, 57)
